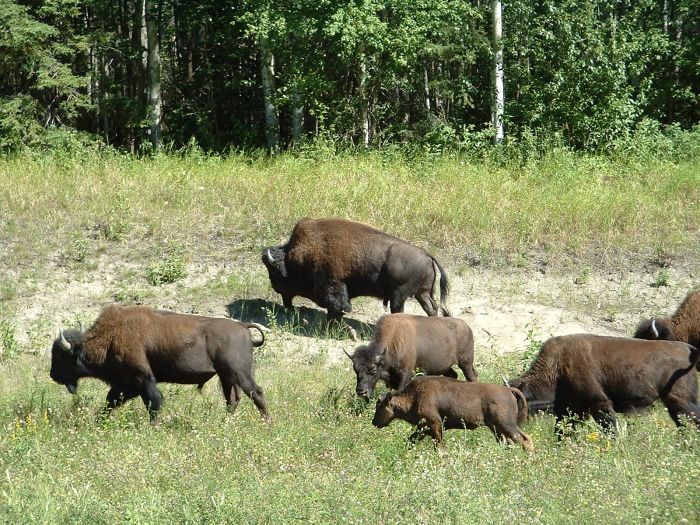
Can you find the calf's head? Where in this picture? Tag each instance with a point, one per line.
(654, 329)
(369, 364)
(65, 361)
(384, 412)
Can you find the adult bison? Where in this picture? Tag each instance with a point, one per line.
(597, 375)
(403, 343)
(683, 325)
(134, 347)
(331, 261)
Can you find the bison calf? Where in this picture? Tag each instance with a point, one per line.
(403, 343)
(132, 348)
(594, 375)
(446, 403)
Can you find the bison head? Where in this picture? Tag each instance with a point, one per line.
(65, 359)
(368, 361)
(654, 329)
(384, 412)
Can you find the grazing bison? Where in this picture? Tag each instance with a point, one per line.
(446, 403)
(134, 347)
(683, 325)
(596, 375)
(331, 261)
(403, 343)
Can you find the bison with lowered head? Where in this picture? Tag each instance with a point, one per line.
(134, 347)
(331, 261)
(597, 375)
(403, 343)
(683, 325)
(437, 403)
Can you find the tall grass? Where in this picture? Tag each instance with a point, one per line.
(320, 460)
(558, 202)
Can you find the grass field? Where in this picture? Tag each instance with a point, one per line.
(76, 232)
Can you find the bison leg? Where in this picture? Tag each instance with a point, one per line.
(603, 414)
(450, 372)
(118, 395)
(254, 392)
(435, 430)
(397, 301)
(420, 433)
(428, 304)
(287, 301)
(232, 394)
(152, 399)
(512, 434)
(678, 406)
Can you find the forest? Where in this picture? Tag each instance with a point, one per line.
(138, 74)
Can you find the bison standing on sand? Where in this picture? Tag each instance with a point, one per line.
(403, 343)
(134, 347)
(597, 375)
(441, 403)
(331, 261)
(683, 325)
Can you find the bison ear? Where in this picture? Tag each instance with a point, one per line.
(386, 397)
(380, 356)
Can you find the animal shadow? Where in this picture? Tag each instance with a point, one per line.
(300, 320)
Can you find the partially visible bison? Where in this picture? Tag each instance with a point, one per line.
(442, 403)
(134, 347)
(331, 261)
(683, 325)
(597, 375)
(403, 343)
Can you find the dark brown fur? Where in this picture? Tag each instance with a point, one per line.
(403, 343)
(444, 403)
(132, 348)
(331, 261)
(596, 375)
(683, 325)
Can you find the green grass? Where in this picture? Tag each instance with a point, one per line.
(591, 206)
(320, 460)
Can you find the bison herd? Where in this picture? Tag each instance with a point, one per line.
(332, 261)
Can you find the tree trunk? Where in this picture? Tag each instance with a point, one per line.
(267, 72)
(297, 116)
(364, 101)
(426, 87)
(154, 95)
(498, 95)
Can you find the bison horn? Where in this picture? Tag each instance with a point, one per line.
(346, 353)
(505, 381)
(269, 257)
(65, 344)
(653, 329)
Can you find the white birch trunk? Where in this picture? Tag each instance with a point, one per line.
(154, 94)
(498, 92)
(297, 116)
(364, 101)
(267, 73)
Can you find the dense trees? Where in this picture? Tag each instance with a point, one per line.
(267, 72)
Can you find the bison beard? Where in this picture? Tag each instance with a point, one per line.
(332, 261)
(598, 376)
(133, 348)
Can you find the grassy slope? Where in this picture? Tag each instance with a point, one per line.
(320, 460)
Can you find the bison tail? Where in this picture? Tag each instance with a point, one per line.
(444, 288)
(262, 329)
(522, 406)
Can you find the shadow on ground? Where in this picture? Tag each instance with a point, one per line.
(301, 320)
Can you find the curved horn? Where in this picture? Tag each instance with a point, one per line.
(346, 353)
(65, 344)
(505, 381)
(653, 328)
(269, 256)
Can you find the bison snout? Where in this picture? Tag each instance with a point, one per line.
(72, 387)
(364, 394)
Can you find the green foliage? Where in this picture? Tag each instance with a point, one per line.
(9, 346)
(661, 278)
(170, 268)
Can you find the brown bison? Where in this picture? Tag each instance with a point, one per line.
(683, 325)
(134, 347)
(403, 343)
(331, 261)
(597, 375)
(437, 403)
